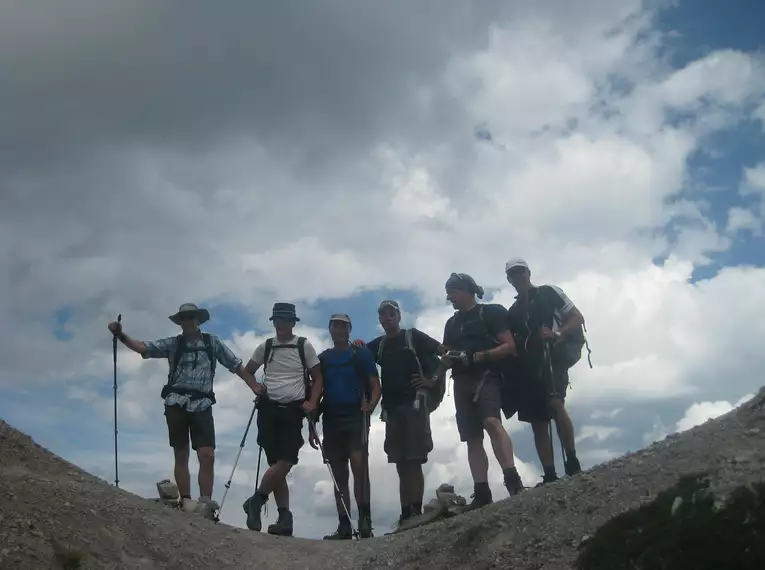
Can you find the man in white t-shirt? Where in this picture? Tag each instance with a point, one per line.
(288, 363)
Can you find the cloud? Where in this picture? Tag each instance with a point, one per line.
(261, 153)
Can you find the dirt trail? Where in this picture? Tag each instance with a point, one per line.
(51, 510)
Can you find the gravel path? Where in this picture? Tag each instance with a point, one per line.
(51, 510)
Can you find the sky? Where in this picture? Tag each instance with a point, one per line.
(337, 153)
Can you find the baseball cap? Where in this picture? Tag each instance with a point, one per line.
(388, 303)
(515, 262)
(340, 317)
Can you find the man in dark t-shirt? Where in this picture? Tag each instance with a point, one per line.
(408, 438)
(545, 321)
(480, 331)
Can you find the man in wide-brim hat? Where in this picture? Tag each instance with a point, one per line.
(189, 395)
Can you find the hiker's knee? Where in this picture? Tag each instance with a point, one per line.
(540, 429)
(206, 455)
(493, 426)
(181, 454)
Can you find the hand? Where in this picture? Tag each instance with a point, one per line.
(115, 327)
(308, 406)
(313, 438)
(421, 381)
(359, 342)
(545, 333)
(366, 407)
(258, 388)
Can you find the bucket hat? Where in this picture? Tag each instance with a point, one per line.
(284, 311)
(190, 309)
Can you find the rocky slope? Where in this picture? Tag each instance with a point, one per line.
(623, 514)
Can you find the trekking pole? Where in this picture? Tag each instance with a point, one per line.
(114, 351)
(365, 483)
(239, 453)
(548, 358)
(334, 481)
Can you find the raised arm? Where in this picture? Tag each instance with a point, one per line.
(150, 349)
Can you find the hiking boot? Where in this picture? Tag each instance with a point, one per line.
(344, 532)
(283, 524)
(572, 466)
(207, 508)
(252, 508)
(547, 478)
(481, 497)
(365, 527)
(513, 481)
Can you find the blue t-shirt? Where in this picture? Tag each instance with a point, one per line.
(346, 378)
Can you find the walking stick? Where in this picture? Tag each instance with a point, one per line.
(239, 453)
(116, 462)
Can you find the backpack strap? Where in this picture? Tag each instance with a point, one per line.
(207, 339)
(410, 345)
(268, 353)
(180, 345)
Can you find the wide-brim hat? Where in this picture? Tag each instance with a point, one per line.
(284, 311)
(190, 309)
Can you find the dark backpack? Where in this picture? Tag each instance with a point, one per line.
(435, 393)
(268, 355)
(182, 348)
(568, 350)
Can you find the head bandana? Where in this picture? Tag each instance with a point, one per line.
(465, 282)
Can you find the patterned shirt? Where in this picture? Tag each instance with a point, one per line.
(193, 370)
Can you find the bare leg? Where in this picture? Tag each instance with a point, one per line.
(182, 475)
(500, 442)
(206, 457)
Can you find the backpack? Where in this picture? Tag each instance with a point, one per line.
(434, 394)
(268, 355)
(568, 350)
(354, 361)
(180, 349)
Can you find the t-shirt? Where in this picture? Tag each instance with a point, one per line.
(346, 379)
(547, 306)
(398, 365)
(467, 331)
(284, 378)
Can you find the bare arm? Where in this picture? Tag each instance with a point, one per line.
(574, 319)
(318, 384)
(132, 344)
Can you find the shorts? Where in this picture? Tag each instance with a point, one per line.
(181, 424)
(536, 392)
(280, 430)
(488, 404)
(343, 435)
(408, 438)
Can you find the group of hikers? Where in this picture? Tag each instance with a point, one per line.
(513, 360)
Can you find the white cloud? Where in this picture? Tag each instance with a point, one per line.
(742, 219)
(701, 412)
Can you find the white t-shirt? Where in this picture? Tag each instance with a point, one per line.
(284, 373)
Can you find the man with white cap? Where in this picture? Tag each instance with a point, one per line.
(550, 329)
(188, 394)
(350, 393)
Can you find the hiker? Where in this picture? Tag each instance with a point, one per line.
(288, 362)
(412, 388)
(548, 326)
(189, 395)
(351, 391)
(479, 331)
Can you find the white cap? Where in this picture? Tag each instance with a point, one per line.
(515, 262)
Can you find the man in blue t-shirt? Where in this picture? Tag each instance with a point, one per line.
(350, 390)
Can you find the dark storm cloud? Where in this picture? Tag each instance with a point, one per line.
(321, 76)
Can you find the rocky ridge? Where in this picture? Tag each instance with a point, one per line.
(54, 515)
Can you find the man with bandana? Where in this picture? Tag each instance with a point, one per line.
(479, 332)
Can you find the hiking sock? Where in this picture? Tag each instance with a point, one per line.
(406, 512)
(365, 511)
(186, 497)
(416, 509)
(512, 480)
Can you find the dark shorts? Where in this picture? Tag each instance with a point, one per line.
(280, 430)
(487, 404)
(182, 424)
(342, 435)
(408, 438)
(537, 391)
